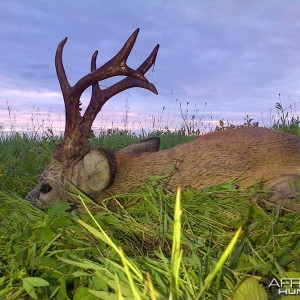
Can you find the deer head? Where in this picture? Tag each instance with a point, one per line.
(248, 154)
(92, 170)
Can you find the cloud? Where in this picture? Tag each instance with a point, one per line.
(235, 56)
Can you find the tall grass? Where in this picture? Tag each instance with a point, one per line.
(144, 252)
(191, 120)
(286, 119)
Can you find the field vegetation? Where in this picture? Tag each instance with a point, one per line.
(217, 243)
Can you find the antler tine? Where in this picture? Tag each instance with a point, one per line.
(60, 70)
(72, 108)
(122, 55)
(100, 97)
(94, 106)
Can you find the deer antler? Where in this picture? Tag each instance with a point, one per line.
(78, 127)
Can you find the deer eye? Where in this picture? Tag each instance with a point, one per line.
(45, 189)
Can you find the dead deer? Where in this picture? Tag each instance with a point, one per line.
(247, 154)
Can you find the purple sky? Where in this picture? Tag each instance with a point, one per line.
(236, 56)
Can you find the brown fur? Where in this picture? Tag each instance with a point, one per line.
(248, 154)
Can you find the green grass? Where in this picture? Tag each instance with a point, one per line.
(144, 251)
(287, 121)
(72, 254)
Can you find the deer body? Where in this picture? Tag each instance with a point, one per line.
(247, 154)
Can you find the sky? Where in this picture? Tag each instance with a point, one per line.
(218, 60)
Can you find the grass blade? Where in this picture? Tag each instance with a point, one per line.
(176, 249)
(220, 263)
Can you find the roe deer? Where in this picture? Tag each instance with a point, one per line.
(248, 154)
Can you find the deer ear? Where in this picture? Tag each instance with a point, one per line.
(95, 171)
(149, 145)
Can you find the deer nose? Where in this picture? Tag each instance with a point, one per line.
(31, 196)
